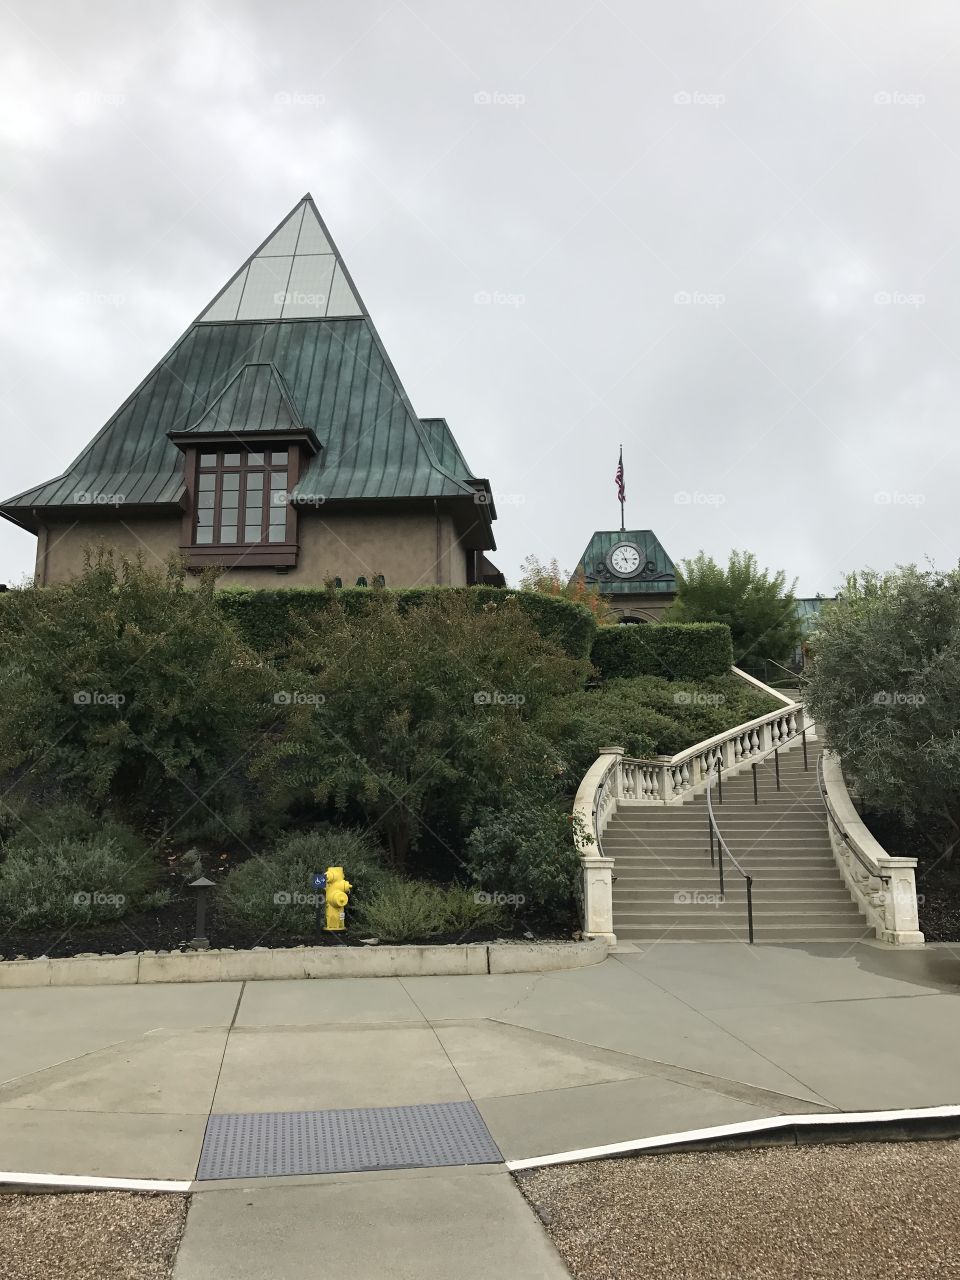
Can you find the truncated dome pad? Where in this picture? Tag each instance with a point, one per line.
(267, 1144)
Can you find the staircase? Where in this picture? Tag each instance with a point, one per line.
(666, 890)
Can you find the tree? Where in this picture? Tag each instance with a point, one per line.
(885, 683)
(126, 686)
(551, 580)
(415, 719)
(758, 607)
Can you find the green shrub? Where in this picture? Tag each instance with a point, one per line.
(249, 894)
(125, 684)
(266, 619)
(402, 910)
(673, 650)
(37, 828)
(528, 852)
(71, 881)
(415, 719)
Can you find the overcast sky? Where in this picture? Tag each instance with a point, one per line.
(725, 235)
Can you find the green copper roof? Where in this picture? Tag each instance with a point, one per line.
(329, 376)
(655, 576)
(256, 400)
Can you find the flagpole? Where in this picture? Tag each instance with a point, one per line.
(623, 525)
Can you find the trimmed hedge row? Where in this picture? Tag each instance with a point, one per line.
(265, 618)
(675, 650)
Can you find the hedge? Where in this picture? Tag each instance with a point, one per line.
(676, 650)
(264, 618)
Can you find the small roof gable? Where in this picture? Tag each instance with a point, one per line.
(297, 273)
(257, 399)
(656, 574)
(441, 440)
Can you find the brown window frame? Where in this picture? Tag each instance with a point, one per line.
(239, 554)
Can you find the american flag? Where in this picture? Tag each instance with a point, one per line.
(621, 492)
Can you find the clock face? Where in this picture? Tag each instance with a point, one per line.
(625, 559)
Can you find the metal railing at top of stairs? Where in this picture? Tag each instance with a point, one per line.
(721, 846)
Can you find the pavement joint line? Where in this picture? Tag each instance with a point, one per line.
(723, 1086)
(864, 1118)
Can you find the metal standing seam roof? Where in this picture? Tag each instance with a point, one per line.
(662, 579)
(333, 375)
(256, 400)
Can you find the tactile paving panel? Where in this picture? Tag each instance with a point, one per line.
(267, 1144)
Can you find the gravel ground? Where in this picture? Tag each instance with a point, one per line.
(774, 1213)
(101, 1235)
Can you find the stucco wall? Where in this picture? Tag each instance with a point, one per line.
(349, 546)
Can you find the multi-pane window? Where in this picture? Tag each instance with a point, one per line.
(241, 497)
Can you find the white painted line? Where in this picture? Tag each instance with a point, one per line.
(68, 1182)
(730, 1130)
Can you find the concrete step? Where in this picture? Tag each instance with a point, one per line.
(801, 899)
(702, 913)
(631, 882)
(738, 933)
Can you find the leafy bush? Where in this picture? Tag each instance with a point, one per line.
(37, 828)
(401, 910)
(757, 606)
(886, 686)
(248, 894)
(528, 851)
(71, 881)
(127, 684)
(675, 651)
(267, 619)
(415, 718)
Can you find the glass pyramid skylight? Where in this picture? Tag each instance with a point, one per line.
(296, 274)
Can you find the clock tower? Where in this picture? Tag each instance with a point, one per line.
(630, 568)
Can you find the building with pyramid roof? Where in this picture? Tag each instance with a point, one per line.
(275, 438)
(632, 571)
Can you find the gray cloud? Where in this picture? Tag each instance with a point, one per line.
(793, 170)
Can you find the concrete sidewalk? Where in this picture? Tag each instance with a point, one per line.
(119, 1081)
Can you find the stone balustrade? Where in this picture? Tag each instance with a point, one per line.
(883, 887)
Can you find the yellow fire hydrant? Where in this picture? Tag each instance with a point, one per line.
(337, 888)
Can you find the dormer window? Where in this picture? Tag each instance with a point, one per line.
(242, 498)
(242, 460)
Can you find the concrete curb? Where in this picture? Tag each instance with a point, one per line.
(907, 1124)
(303, 962)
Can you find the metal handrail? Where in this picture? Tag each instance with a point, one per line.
(797, 675)
(870, 868)
(722, 847)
